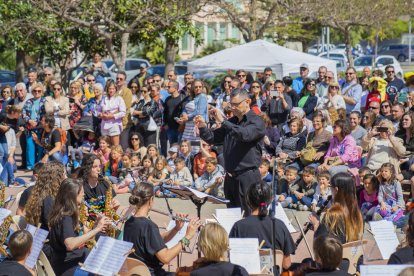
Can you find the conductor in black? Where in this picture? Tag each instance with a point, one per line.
(242, 139)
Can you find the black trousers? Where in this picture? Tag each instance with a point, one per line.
(235, 189)
(23, 146)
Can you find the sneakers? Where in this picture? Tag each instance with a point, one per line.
(377, 217)
(305, 208)
(294, 206)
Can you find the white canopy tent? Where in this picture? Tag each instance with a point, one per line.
(256, 55)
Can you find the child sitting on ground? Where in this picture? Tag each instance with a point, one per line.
(211, 182)
(124, 176)
(87, 145)
(160, 172)
(368, 199)
(172, 155)
(20, 244)
(114, 166)
(322, 191)
(181, 175)
(285, 195)
(303, 190)
(104, 150)
(264, 172)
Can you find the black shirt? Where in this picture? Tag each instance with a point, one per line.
(172, 108)
(62, 259)
(329, 272)
(96, 197)
(220, 269)
(25, 196)
(242, 141)
(49, 139)
(402, 256)
(46, 209)
(12, 123)
(393, 88)
(255, 227)
(10, 267)
(145, 236)
(323, 231)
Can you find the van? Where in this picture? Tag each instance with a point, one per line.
(399, 51)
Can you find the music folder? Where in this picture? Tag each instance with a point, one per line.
(39, 237)
(188, 193)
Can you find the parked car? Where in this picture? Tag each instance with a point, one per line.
(7, 78)
(339, 57)
(380, 63)
(315, 49)
(132, 66)
(160, 69)
(399, 51)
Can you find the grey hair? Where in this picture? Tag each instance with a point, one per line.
(242, 93)
(298, 110)
(98, 86)
(175, 83)
(21, 84)
(48, 69)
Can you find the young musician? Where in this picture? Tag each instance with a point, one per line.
(94, 185)
(42, 197)
(332, 223)
(20, 244)
(214, 243)
(405, 254)
(259, 224)
(66, 245)
(328, 256)
(149, 244)
(344, 194)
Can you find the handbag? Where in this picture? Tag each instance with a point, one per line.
(307, 154)
(152, 126)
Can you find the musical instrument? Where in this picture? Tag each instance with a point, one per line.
(4, 231)
(308, 226)
(171, 216)
(83, 218)
(109, 211)
(2, 193)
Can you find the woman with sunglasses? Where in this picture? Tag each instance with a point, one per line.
(136, 145)
(308, 99)
(224, 98)
(335, 98)
(58, 105)
(144, 111)
(244, 79)
(7, 97)
(256, 92)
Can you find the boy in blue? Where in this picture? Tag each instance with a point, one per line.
(264, 172)
(284, 192)
(304, 189)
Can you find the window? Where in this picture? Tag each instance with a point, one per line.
(7, 77)
(185, 43)
(385, 61)
(132, 65)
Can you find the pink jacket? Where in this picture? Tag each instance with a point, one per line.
(346, 150)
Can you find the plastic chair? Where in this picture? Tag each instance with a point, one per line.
(20, 221)
(134, 266)
(352, 251)
(43, 266)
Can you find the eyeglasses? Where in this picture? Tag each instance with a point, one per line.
(334, 87)
(390, 72)
(197, 86)
(37, 91)
(255, 86)
(372, 107)
(119, 79)
(57, 89)
(349, 74)
(328, 78)
(134, 86)
(237, 104)
(90, 80)
(157, 80)
(241, 75)
(311, 84)
(227, 81)
(385, 106)
(134, 139)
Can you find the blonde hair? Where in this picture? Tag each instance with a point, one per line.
(117, 148)
(213, 241)
(388, 124)
(38, 85)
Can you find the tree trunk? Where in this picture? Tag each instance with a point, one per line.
(253, 19)
(348, 45)
(20, 67)
(171, 49)
(124, 50)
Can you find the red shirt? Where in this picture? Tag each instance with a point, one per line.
(200, 163)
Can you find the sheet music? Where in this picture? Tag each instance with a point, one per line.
(197, 193)
(107, 257)
(382, 270)
(385, 237)
(281, 214)
(39, 238)
(180, 234)
(228, 217)
(245, 252)
(3, 214)
(31, 228)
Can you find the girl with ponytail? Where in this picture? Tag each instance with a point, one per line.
(259, 223)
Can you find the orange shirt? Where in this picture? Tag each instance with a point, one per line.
(200, 163)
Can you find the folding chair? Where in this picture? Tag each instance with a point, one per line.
(352, 251)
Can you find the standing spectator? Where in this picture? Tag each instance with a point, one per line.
(77, 102)
(144, 111)
(352, 91)
(298, 83)
(364, 82)
(244, 83)
(366, 72)
(335, 98)
(397, 113)
(308, 99)
(196, 106)
(395, 85)
(142, 74)
(256, 92)
(322, 88)
(7, 97)
(224, 98)
(92, 106)
(111, 111)
(406, 131)
(385, 110)
(278, 107)
(374, 107)
(58, 106)
(32, 112)
(409, 83)
(90, 81)
(321, 74)
(126, 94)
(287, 81)
(31, 79)
(135, 88)
(98, 69)
(172, 110)
(267, 74)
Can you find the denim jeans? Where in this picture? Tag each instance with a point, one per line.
(57, 156)
(173, 135)
(305, 200)
(34, 152)
(4, 149)
(7, 174)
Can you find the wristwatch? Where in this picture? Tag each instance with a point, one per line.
(185, 242)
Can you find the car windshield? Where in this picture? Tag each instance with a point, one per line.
(363, 61)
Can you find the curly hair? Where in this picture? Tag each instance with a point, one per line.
(87, 164)
(49, 179)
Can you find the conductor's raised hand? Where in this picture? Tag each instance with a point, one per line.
(199, 122)
(194, 224)
(216, 114)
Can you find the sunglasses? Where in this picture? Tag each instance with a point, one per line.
(241, 76)
(37, 91)
(57, 89)
(372, 107)
(134, 139)
(119, 79)
(90, 80)
(389, 72)
(255, 86)
(334, 87)
(349, 74)
(198, 86)
(385, 106)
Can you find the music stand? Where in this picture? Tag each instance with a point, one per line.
(197, 198)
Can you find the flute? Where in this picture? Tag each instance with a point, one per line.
(98, 213)
(171, 216)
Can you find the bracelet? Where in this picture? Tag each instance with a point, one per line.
(185, 242)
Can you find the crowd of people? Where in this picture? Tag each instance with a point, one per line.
(254, 139)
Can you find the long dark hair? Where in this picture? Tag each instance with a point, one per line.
(346, 197)
(259, 195)
(87, 164)
(141, 194)
(409, 232)
(66, 203)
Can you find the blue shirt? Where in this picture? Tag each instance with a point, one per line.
(164, 95)
(297, 84)
(354, 91)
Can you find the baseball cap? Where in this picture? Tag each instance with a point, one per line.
(173, 149)
(304, 65)
(408, 75)
(143, 65)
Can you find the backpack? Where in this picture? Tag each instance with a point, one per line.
(63, 137)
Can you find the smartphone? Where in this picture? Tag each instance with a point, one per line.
(382, 129)
(274, 93)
